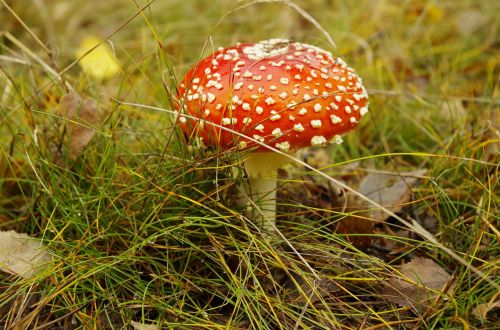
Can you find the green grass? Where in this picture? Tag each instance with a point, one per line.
(142, 228)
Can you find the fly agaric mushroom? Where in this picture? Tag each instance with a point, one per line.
(283, 94)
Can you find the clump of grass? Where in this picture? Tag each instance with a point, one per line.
(142, 227)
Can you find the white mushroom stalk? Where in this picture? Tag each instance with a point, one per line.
(283, 94)
(262, 171)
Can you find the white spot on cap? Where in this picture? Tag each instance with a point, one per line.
(334, 106)
(196, 80)
(284, 81)
(298, 127)
(211, 97)
(259, 110)
(269, 77)
(246, 106)
(341, 88)
(353, 120)
(247, 74)
(299, 67)
(318, 140)
(317, 107)
(258, 138)
(307, 97)
(275, 116)
(269, 101)
(207, 112)
(302, 111)
(316, 123)
(277, 132)
(335, 119)
(260, 128)
(363, 111)
(238, 86)
(229, 121)
(347, 109)
(283, 95)
(247, 120)
(336, 139)
(262, 68)
(273, 87)
(283, 146)
(338, 98)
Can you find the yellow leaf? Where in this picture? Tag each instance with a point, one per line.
(100, 63)
(434, 13)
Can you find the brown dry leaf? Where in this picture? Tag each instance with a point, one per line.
(80, 116)
(420, 282)
(391, 191)
(21, 255)
(142, 326)
(356, 226)
(481, 311)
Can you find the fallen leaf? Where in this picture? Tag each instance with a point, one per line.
(80, 116)
(100, 63)
(419, 283)
(21, 255)
(142, 326)
(391, 191)
(356, 225)
(481, 311)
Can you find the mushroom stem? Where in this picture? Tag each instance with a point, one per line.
(262, 170)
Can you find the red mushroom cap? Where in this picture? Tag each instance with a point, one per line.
(285, 94)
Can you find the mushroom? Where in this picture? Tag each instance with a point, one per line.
(277, 93)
